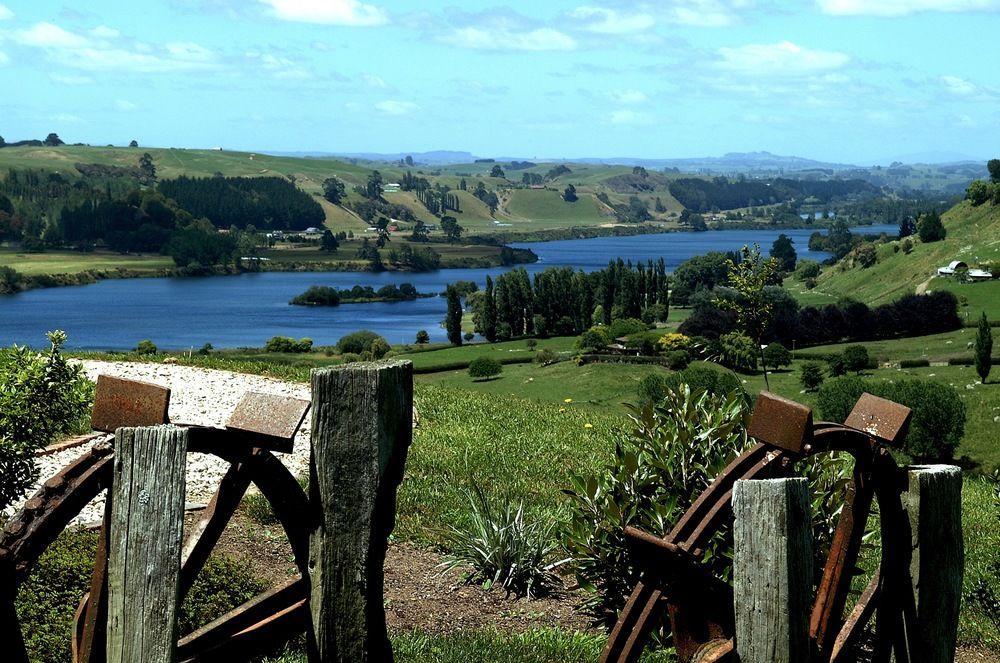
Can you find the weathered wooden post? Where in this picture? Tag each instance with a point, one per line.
(772, 570)
(361, 431)
(933, 503)
(147, 520)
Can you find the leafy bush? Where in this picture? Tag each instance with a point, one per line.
(357, 342)
(811, 377)
(221, 586)
(938, 411)
(777, 356)
(738, 351)
(289, 345)
(676, 449)
(484, 368)
(146, 347)
(594, 338)
(626, 327)
(47, 601)
(856, 358)
(504, 546)
(423, 337)
(42, 396)
(807, 269)
(677, 360)
(545, 356)
(377, 349)
(674, 341)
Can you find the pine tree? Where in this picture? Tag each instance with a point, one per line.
(984, 348)
(453, 319)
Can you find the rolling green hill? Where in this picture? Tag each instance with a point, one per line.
(973, 236)
(521, 208)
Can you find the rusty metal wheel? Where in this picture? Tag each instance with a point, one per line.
(676, 583)
(260, 423)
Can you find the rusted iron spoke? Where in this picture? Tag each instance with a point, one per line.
(287, 499)
(209, 529)
(831, 597)
(253, 616)
(92, 617)
(856, 623)
(621, 643)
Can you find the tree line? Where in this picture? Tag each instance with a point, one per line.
(561, 301)
(267, 203)
(720, 193)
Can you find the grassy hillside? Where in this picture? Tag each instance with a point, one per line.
(973, 236)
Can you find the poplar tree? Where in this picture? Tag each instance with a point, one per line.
(984, 348)
(489, 330)
(453, 319)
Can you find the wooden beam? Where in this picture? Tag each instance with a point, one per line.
(933, 503)
(772, 570)
(144, 552)
(361, 431)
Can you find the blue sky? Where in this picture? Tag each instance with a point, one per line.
(846, 80)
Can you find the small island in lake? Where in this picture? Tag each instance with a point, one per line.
(321, 295)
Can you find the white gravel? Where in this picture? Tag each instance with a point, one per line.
(198, 396)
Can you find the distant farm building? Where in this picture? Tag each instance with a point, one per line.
(953, 267)
(980, 275)
(392, 187)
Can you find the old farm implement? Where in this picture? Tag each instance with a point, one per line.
(261, 423)
(677, 584)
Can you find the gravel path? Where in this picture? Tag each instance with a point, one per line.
(198, 396)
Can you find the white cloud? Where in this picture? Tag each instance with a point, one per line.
(5, 13)
(903, 7)
(71, 79)
(372, 80)
(4, 58)
(506, 39)
(328, 12)
(603, 20)
(66, 118)
(394, 107)
(125, 106)
(104, 32)
(109, 53)
(48, 35)
(780, 59)
(629, 96)
(279, 67)
(629, 117)
(959, 86)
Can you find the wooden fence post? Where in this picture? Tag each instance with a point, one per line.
(772, 570)
(933, 503)
(144, 556)
(361, 431)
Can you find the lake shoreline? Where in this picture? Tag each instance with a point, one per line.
(91, 276)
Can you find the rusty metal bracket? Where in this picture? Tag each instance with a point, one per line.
(270, 421)
(782, 423)
(120, 403)
(882, 419)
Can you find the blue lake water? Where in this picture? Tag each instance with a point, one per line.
(246, 310)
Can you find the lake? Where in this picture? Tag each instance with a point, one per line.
(246, 310)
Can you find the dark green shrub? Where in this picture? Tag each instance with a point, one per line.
(423, 337)
(357, 342)
(146, 347)
(47, 602)
(652, 388)
(626, 327)
(206, 349)
(835, 366)
(288, 345)
(938, 411)
(677, 360)
(699, 377)
(811, 377)
(221, 586)
(961, 361)
(777, 356)
(377, 349)
(484, 368)
(42, 396)
(914, 363)
(856, 358)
